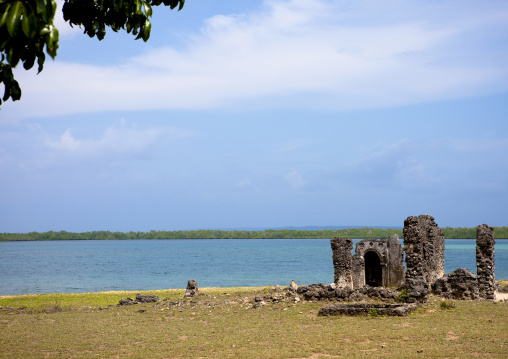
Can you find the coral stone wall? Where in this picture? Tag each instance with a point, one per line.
(342, 261)
(424, 247)
(485, 261)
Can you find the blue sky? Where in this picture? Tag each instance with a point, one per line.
(266, 114)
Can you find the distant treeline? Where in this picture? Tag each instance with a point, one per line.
(451, 233)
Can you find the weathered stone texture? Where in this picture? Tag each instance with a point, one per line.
(418, 290)
(192, 289)
(424, 247)
(460, 284)
(485, 261)
(396, 271)
(358, 271)
(378, 262)
(139, 299)
(364, 309)
(321, 291)
(342, 261)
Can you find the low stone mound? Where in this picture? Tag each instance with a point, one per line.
(460, 284)
(321, 291)
(358, 309)
(139, 299)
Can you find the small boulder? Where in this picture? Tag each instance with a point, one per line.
(192, 289)
(356, 296)
(127, 301)
(147, 298)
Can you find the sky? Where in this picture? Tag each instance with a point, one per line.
(266, 114)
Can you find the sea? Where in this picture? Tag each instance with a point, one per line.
(109, 265)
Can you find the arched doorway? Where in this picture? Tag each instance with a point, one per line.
(373, 271)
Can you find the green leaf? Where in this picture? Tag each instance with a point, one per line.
(15, 91)
(148, 8)
(146, 30)
(40, 61)
(13, 55)
(28, 22)
(52, 42)
(14, 17)
(29, 60)
(41, 4)
(5, 15)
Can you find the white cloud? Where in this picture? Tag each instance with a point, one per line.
(295, 179)
(308, 54)
(115, 140)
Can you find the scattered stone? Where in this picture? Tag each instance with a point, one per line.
(354, 309)
(418, 290)
(147, 298)
(460, 284)
(259, 304)
(127, 301)
(356, 296)
(192, 289)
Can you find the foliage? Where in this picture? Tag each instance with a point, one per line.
(404, 296)
(447, 304)
(373, 313)
(26, 29)
(499, 232)
(204, 234)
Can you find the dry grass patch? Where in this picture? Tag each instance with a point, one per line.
(223, 324)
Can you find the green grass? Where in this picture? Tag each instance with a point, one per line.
(222, 324)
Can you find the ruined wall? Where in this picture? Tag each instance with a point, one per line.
(390, 254)
(485, 261)
(342, 261)
(358, 271)
(424, 247)
(396, 270)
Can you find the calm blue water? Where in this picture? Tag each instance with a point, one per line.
(89, 266)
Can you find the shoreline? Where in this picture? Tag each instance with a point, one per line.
(502, 282)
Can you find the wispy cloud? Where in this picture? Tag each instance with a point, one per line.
(308, 54)
(295, 179)
(116, 139)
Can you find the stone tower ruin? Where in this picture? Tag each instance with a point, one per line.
(424, 244)
(485, 261)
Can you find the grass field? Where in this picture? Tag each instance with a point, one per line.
(223, 324)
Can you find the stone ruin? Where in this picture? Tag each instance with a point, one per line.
(379, 263)
(463, 284)
(424, 248)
